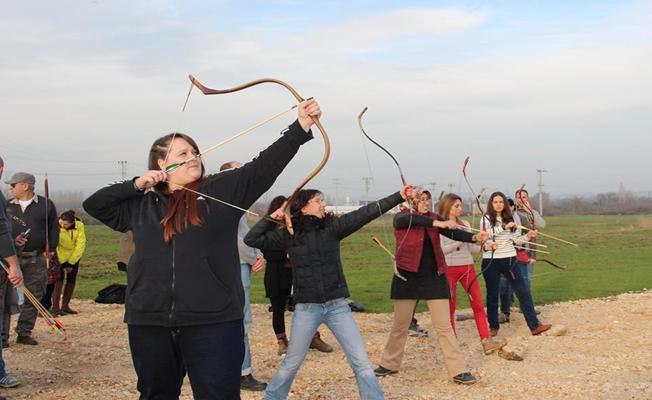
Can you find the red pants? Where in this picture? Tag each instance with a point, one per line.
(465, 274)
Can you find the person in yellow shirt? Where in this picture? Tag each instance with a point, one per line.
(72, 243)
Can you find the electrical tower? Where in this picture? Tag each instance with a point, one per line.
(541, 171)
(367, 182)
(123, 169)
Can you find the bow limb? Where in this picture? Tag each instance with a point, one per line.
(47, 222)
(400, 170)
(297, 96)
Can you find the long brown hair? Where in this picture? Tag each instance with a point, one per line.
(506, 214)
(446, 204)
(182, 208)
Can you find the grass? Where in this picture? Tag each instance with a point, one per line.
(615, 256)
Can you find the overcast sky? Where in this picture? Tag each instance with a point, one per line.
(517, 86)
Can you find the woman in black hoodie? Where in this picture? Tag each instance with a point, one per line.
(184, 296)
(320, 289)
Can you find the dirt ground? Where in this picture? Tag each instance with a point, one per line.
(607, 354)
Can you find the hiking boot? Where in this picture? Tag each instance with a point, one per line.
(248, 382)
(9, 381)
(540, 329)
(503, 318)
(382, 371)
(465, 379)
(319, 344)
(416, 331)
(491, 345)
(26, 339)
(493, 332)
(282, 346)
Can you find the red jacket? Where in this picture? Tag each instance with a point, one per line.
(410, 248)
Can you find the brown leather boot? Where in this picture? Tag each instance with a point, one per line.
(282, 346)
(56, 299)
(67, 295)
(319, 344)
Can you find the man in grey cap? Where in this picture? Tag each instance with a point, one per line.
(31, 217)
(14, 275)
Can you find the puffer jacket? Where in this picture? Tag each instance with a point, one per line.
(317, 273)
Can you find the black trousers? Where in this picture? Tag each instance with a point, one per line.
(210, 354)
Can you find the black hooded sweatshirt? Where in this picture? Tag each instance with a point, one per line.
(195, 279)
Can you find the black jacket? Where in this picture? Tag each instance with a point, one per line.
(6, 240)
(314, 251)
(34, 218)
(196, 278)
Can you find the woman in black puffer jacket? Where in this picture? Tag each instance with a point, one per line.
(320, 289)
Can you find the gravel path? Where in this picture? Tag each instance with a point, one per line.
(607, 354)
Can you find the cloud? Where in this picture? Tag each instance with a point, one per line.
(377, 28)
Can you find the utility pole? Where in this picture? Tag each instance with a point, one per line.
(541, 171)
(432, 186)
(367, 182)
(337, 186)
(123, 169)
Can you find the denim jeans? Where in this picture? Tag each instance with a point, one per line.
(514, 274)
(245, 273)
(3, 285)
(506, 291)
(337, 315)
(211, 354)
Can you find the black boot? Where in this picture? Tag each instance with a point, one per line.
(248, 382)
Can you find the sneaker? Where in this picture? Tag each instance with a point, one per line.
(503, 318)
(491, 345)
(416, 330)
(26, 339)
(540, 329)
(320, 345)
(465, 379)
(9, 381)
(382, 371)
(248, 382)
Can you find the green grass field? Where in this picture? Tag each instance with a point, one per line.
(615, 256)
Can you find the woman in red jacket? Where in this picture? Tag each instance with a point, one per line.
(421, 260)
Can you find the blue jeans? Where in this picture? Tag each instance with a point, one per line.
(245, 273)
(211, 355)
(337, 315)
(513, 273)
(506, 292)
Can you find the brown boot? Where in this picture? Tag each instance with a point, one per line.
(56, 299)
(26, 339)
(282, 346)
(319, 344)
(491, 345)
(67, 295)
